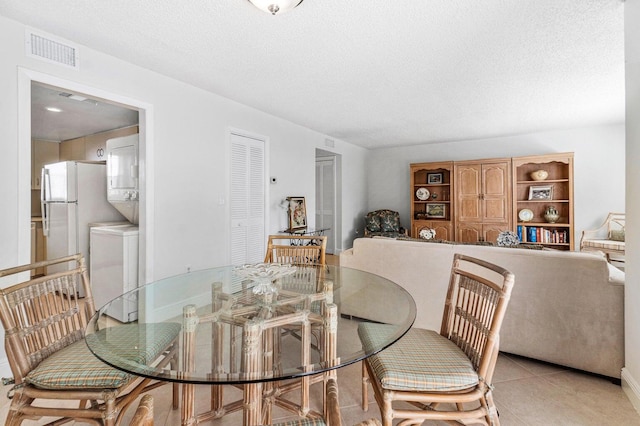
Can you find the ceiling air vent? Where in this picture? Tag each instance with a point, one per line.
(52, 50)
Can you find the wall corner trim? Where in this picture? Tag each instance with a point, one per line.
(631, 388)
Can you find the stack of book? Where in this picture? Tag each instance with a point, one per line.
(538, 234)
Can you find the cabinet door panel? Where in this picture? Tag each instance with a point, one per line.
(442, 228)
(496, 210)
(495, 190)
(494, 179)
(491, 232)
(443, 231)
(469, 232)
(468, 190)
(72, 149)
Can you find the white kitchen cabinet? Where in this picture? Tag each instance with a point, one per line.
(94, 145)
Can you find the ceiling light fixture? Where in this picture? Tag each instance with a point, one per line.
(275, 6)
(53, 109)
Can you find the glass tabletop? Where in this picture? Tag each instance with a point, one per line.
(315, 311)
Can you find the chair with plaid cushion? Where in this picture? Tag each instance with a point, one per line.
(44, 324)
(384, 223)
(446, 375)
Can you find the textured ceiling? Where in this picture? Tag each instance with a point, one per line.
(76, 117)
(371, 72)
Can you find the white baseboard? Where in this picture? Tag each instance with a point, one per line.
(631, 388)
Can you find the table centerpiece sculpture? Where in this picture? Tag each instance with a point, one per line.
(264, 274)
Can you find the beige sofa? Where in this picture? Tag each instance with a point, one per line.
(566, 308)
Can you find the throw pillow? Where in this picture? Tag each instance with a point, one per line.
(617, 235)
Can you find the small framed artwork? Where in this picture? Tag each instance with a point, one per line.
(297, 213)
(436, 210)
(434, 178)
(541, 192)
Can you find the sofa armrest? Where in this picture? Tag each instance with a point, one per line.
(616, 276)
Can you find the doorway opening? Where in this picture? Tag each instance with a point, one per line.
(327, 198)
(92, 110)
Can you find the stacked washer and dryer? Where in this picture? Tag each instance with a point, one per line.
(114, 246)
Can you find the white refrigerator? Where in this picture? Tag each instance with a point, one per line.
(73, 194)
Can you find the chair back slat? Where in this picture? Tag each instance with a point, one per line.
(475, 307)
(308, 249)
(43, 315)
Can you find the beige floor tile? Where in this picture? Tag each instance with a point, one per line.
(527, 393)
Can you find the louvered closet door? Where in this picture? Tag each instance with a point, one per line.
(247, 200)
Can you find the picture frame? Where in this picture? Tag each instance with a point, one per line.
(297, 213)
(434, 178)
(436, 210)
(542, 192)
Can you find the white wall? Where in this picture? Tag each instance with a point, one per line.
(599, 164)
(187, 161)
(631, 372)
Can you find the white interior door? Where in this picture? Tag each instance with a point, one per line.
(247, 199)
(326, 199)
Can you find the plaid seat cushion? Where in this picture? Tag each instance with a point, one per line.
(76, 367)
(605, 244)
(422, 360)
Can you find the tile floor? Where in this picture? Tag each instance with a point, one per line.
(527, 392)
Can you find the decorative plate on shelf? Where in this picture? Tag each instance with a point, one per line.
(525, 215)
(427, 233)
(422, 194)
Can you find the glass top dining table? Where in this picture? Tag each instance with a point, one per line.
(305, 325)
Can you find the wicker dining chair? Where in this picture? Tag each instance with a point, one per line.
(144, 413)
(44, 326)
(296, 249)
(445, 376)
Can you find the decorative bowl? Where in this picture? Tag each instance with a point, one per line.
(508, 239)
(539, 175)
(264, 274)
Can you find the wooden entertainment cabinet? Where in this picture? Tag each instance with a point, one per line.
(473, 201)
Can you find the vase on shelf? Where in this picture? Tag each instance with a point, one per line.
(539, 175)
(551, 214)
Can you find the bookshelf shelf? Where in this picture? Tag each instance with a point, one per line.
(559, 235)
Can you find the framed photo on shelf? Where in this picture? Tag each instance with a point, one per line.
(438, 211)
(297, 213)
(541, 192)
(434, 178)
